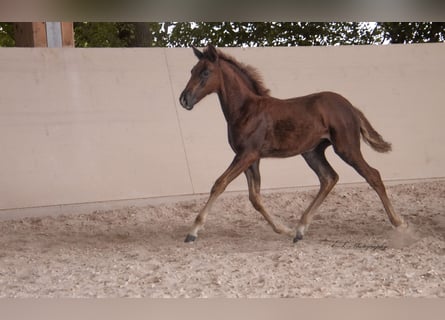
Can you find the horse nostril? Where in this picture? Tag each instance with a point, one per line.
(184, 99)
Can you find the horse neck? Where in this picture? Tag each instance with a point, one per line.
(234, 93)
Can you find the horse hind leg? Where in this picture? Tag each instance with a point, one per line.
(328, 178)
(351, 154)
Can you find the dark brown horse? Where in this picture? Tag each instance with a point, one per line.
(261, 126)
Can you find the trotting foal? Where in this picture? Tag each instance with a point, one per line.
(261, 126)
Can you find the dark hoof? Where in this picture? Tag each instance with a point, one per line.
(190, 238)
(298, 237)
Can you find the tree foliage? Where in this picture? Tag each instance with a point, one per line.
(6, 34)
(115, 34)
(179, 34)
(413, 32)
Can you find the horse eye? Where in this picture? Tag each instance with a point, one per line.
(205, 73)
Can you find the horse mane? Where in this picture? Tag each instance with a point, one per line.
(250, 73)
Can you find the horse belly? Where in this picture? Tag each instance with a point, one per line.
(284, 150)
(289, 138)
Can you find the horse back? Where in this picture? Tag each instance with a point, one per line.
(298, 124)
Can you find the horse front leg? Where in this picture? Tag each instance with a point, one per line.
(239, 164)
(254, 182)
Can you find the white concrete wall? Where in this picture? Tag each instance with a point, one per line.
(93, 125)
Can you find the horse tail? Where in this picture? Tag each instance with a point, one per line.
(370, 135)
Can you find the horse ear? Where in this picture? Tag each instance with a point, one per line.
(197, 53)
(211, 52)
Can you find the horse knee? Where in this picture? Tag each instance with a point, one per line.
(255, 202)
(218, 187)
(199, 220)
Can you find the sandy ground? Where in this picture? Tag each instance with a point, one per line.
(350, 249)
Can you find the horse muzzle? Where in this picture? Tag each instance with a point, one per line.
(186, 100)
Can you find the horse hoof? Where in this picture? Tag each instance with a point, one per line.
(298, 237)
(190, 238)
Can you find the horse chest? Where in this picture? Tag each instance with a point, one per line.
(246, 133)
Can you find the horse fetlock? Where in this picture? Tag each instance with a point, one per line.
(280, 229)
(403, 226)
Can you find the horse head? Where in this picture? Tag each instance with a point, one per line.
(204, 79)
